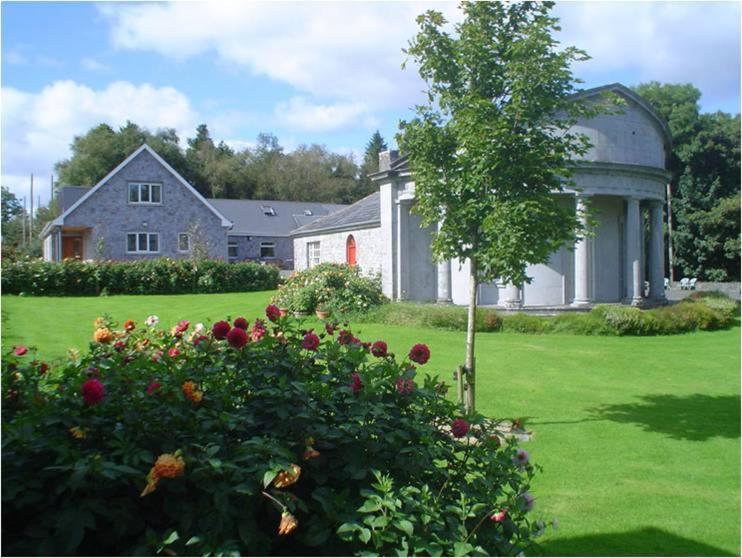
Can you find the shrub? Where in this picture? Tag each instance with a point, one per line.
(176, 442)
(151, 276)
(626, 320)
(335, 287)
(524, 323)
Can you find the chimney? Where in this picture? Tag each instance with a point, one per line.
(387, 158)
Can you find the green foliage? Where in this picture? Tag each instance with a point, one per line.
(151, 276)
(269, 434)
(338, 288)
(431, 315)
(370, 162)
(11, 205)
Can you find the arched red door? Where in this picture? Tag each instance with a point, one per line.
(350, 250)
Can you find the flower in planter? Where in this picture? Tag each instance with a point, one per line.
(241, 323)
(287, 477)
(379, 349)
(129, 325)
(420, 353)
(220, 329)
(167, 466)
(459, 428)
(237, 337)
(310, 341)
(103, 335)
(272, 312)
(288, 523)
(20, 350)
(93, 391)
(152, 320)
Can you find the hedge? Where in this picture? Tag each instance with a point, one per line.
(156, 276)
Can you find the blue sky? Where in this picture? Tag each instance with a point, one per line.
(325, 73)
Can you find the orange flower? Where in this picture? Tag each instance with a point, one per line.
(287, 478)
(288, 523)
(77, 432)
(103, 335)
(191, 393)
(167, 466)
(129, 325)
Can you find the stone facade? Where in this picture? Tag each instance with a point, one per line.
(332, 247)
(248, 249)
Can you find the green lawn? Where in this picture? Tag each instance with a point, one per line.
(639, 438)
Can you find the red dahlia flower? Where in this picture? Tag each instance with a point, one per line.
(330, 329)
(272, 312)
(93, 391)
(379, 349)
(182, 326)
(459, 428)
(220, 329)
(20, 350)
(405, 387)
(258, 330)
(420, 353)
(241, 323)
(237, 337)
(119, 346)
(345, 337)
(173, 352)
(310, 341)
(153, 386)
(357, 384)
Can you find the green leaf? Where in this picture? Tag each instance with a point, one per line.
(192, 541)
(364, 535)
(370, 506)
(405, 526)
(462, 548)
(268, 477)
(171, 538)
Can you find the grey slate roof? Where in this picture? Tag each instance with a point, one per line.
(68, 195)
(249, 216)
(365, 212)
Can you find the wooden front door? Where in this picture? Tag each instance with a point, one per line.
(350, 249)
(72, 247)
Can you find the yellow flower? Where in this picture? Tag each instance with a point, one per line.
(77, 432)
(288, 523)
(103, 335)
(167, 466)
(191, 393)
(287, 478)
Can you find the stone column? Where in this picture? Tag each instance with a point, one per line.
(582, 259)
(403, 268)
(656, 253)
(633, 252)
(512, 297)
(444, 280)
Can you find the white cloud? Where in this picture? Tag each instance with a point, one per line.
(301, 114)
(94, 65)
(37, 128)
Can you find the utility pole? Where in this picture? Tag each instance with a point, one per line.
(30, 228)
(51, 189)
(669, 234)
(23, 222)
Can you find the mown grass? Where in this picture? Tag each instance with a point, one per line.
(638, 437)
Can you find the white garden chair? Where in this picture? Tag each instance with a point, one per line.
(692, 284)
(684, 282)
(667, 283)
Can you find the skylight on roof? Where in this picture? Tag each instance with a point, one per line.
(268, 210)
(308, 212)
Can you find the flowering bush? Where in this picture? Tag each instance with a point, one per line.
(202, 440)
(150, 276)
(335, 287)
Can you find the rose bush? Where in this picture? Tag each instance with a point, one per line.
(196, 440)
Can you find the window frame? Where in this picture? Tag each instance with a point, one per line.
(314, 254)
(271, 245)
(232, 244)
(137, 235)
(188, 236)
(139, 185)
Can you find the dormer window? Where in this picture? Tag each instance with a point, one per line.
(147, 193)
(268, 210)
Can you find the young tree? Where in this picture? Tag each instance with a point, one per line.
(492, 144)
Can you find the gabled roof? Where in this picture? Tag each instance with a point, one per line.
(59, 221)
(364, 213)
(68, 195)
(270, 217)
(624, 91)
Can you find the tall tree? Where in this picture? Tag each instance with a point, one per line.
(11, 205)
(370, 163)
(492, 143)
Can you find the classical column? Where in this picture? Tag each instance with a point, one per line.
(403, 269)
(656, 253)
(582, 259)
(633, 252)
(512, 296)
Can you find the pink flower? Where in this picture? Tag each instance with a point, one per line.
(258, 330)
(405, 387)
(498, 517)
(272, 312)
(156, 356)
(93, 391)
(241, 323)
(20, 350)
(173, 352)
(310, 341)
(521, 457)
(182, 326)
(420, 353)
(237, 337)
(220, 329)
(153, 386)
(379, 349)
(459, 428)
(356, 384)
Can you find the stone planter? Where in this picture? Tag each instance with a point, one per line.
(322, 314)
(298, 314)
(283, 311)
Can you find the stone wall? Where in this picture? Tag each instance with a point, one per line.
(248, 248)
(332, 249)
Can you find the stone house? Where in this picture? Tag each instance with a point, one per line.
(623, 178)
(144, 209)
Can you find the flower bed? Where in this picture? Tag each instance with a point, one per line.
(151, 276)
(251, 438)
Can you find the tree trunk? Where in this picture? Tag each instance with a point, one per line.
(470, 333)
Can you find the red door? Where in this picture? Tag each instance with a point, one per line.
(350, 250)
(71, 247)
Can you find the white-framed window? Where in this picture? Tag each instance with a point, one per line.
(267, 249)
(312, 253)
(145, 193)
(184, 242)
(143, 243)
(232, 250)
